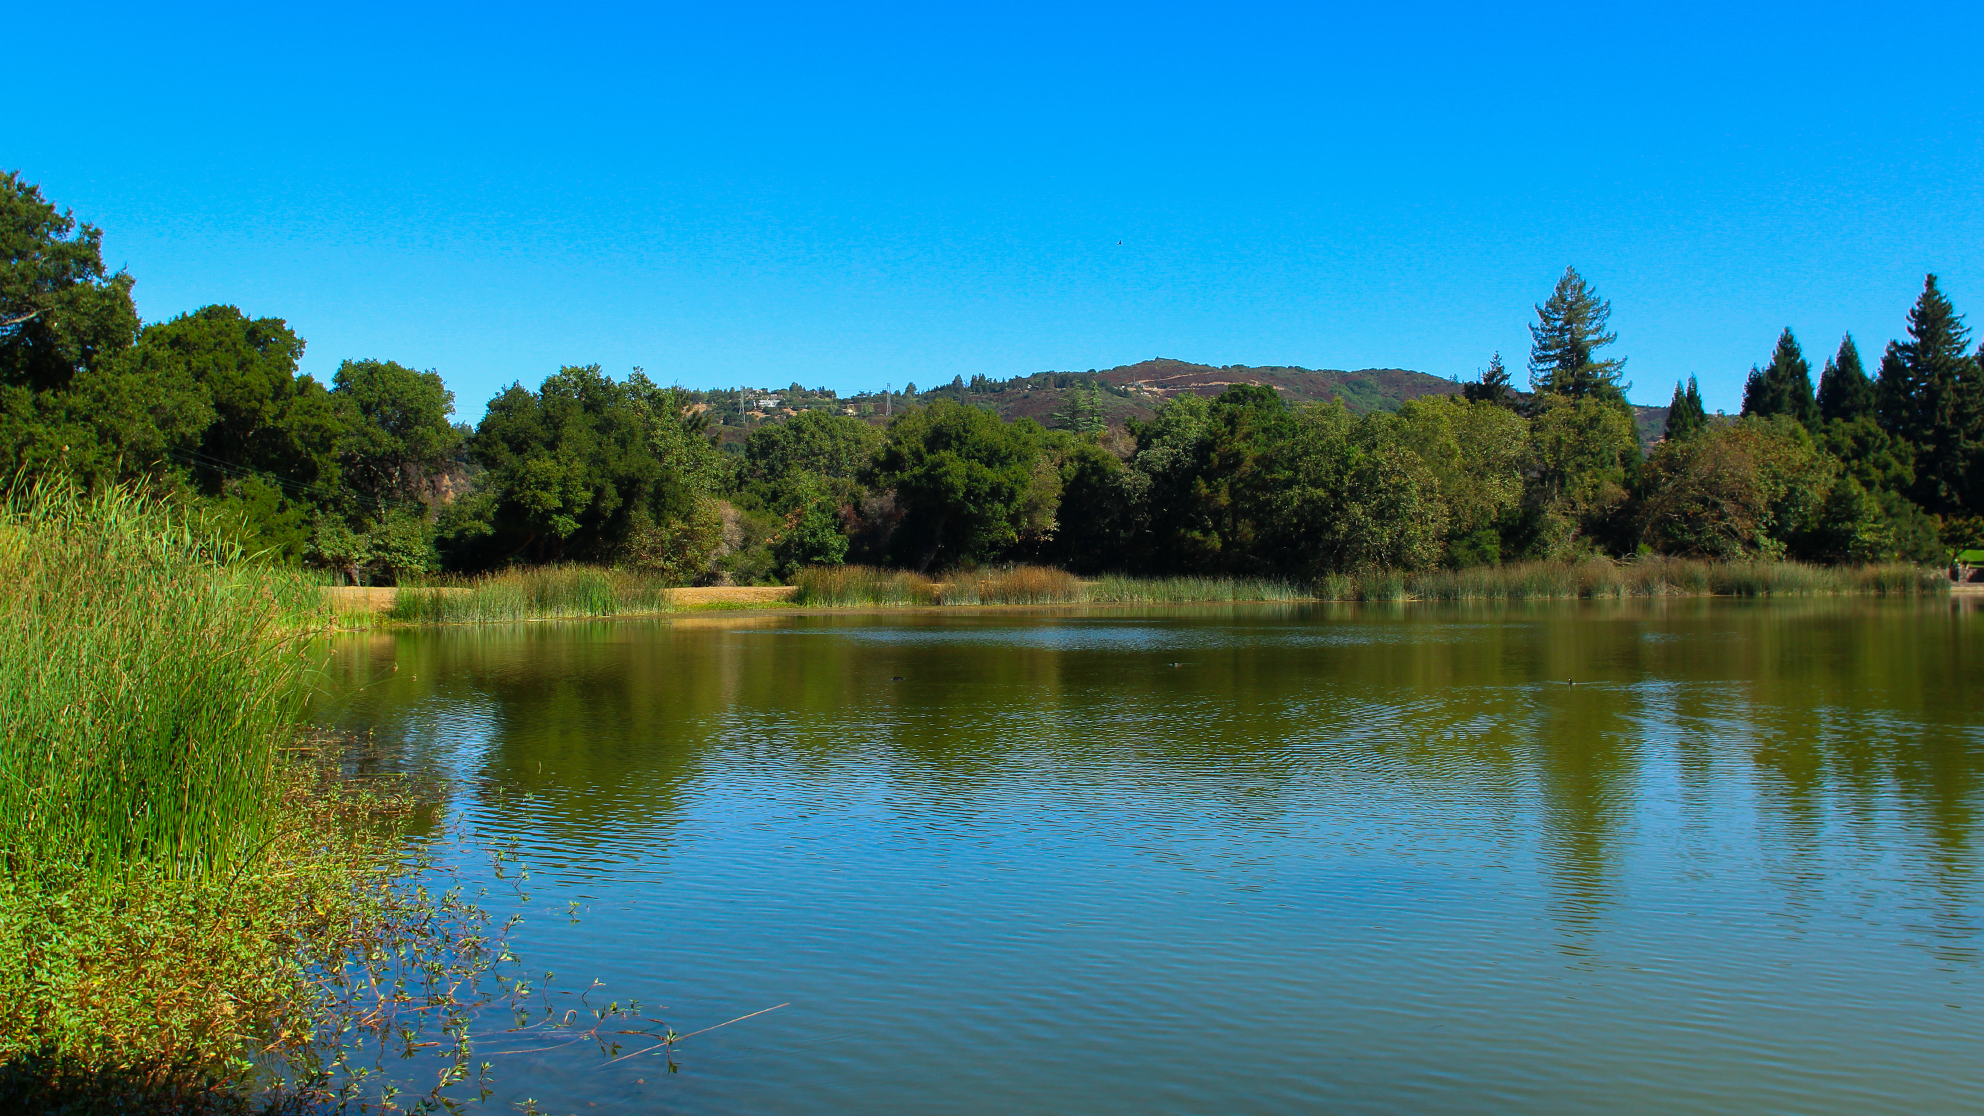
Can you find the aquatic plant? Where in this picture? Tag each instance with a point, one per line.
(149, 678)
(856, 586)
(538, 592)
(1599, 578)
(1031, 585)
(193, 918)
(1119, 589)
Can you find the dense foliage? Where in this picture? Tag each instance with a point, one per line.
(367, 476)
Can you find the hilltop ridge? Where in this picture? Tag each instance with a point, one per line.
(1127, 391)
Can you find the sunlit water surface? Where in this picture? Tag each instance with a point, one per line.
(1256, 859)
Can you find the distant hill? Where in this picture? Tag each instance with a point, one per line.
(1652, 424)
(1136, 390)
(1125, 392)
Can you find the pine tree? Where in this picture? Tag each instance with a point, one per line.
(1492, 387)
(1677, 414)
(1685, 417)
(1845, 392)
(1756, 392)
(1569, 330)
(1928, 395)
(1084, 411)
(1785, 387)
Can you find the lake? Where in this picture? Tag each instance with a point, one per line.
(1235, 859)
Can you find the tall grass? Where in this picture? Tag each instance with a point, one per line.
(1026, 585)
(536, 593)
(1118, 589)
(193, 918)
(852, 586)
(145, 685)
(1660, 577)
(1594, 578)
(856, 586)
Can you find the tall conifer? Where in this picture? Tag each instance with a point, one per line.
(1783, 388)
(1569, 330)
(1492, 387)
(1928, 395)
(1685, 417)
(1845, 392)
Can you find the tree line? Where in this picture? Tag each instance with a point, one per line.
(369, 476)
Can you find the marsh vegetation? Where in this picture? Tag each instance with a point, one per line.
(199, 911)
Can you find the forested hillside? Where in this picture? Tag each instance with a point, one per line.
(1155, 467)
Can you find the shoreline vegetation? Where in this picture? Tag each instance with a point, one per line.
(616, 487)
(581, 592)
(202, 910)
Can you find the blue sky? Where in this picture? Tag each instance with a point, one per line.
(853, 196)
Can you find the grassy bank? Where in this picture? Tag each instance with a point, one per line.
(1647, 577)
(857, 586)
(849, 586)
(193, 916)
(583, 592)
(530, 594)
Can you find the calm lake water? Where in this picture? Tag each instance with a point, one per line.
(1253, 859)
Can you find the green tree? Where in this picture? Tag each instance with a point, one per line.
(396, 433)
(815, 442)
(1492, 387)
(1875, 459)
(1845, 392)
(398, 544)
(1685, 416)
(1928, 395)
(1212, 477)
(1096, 511)
(805, 470)
(234, 416)
(1570, 328)
(61, 312)
(64, 320)
(1751, 488)
(268, 417)
(1474, 454)
(962, 479)
(1355, 495)
(1784, 387)
(586, 468)
(1583, 461)
(1083, 413)
(811, 536)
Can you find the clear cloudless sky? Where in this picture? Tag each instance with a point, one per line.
(850, 196)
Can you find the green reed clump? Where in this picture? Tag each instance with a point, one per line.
(193, 919)
(856, 586)
(1600, 578)
(540, 592)
(1769, 579)
(1119, 589)
(148, 676)
(1026, 585)
(1381, 585)
(1898, 579)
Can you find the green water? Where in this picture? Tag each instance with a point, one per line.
(1254, 859)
